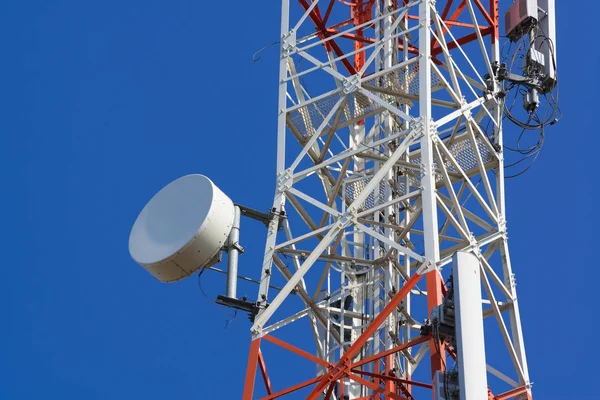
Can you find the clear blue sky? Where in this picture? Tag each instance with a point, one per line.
(103, 103)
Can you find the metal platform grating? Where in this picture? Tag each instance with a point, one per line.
(354, 188)
(308, 118)
(404, 81)
(462, 150)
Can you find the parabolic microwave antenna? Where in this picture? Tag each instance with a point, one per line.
(182, 228)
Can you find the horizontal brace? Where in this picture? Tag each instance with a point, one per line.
(390, 203)
(408, 96)
(480, 241)
(308, 235)
(326, 257)
(345, 154)
(280, 324)
(330, 63)
(314, 100)
(400, 163)
(401, 249)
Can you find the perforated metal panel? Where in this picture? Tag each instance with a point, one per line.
(308, 118)
(404, 81)
(461, 149)
(354, 188)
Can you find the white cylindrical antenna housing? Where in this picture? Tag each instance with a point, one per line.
(182, 228)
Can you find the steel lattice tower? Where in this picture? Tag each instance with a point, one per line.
(389, 161)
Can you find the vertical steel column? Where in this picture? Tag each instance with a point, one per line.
(390, 49)
(251, 369)
(470, 341)
(232, 255)
(408, 366)
(430, 220)
(279, 201)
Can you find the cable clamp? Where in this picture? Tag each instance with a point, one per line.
(236, 246)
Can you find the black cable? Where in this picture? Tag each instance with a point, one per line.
(539, 118)
(256, 57)
(232, 317)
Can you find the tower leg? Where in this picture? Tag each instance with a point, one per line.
(469, 327)
(251, 369)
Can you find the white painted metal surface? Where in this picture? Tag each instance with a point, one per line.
(470, 341)
(181, 228)
(408, 152)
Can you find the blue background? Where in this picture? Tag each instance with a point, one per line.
(103, 103)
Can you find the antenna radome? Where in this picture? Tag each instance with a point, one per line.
(182, 228)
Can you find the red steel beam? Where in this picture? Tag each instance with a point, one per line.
(485, 13)
(458, 10)
(464, 24)
(315, 17)
(512, 393)
(292, 389)
(404, 390)
(263, 371)
(297, 351)
(463, 40)
(390, 351)
(341, 369)
(496, 16)
(328, 11)
(447, 9)
(392, 378)
(376, 388)
(251, 369)
(340, 24)
(329, 391)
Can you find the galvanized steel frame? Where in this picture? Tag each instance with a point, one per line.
(403, 147)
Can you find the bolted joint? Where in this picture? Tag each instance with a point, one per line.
(351, 84)
(426, 267)
(285, 181)
(422, 174)
(256, 332)
(236, 246)
(343, 220)
(475, 247)
(502, 224)
(466, 112)
(433, 132)
(417, 127)
(288, 42)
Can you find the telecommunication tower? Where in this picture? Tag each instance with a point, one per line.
(388, 226)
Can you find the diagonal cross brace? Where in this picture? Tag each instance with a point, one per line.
(342, 368)
(344, 221)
